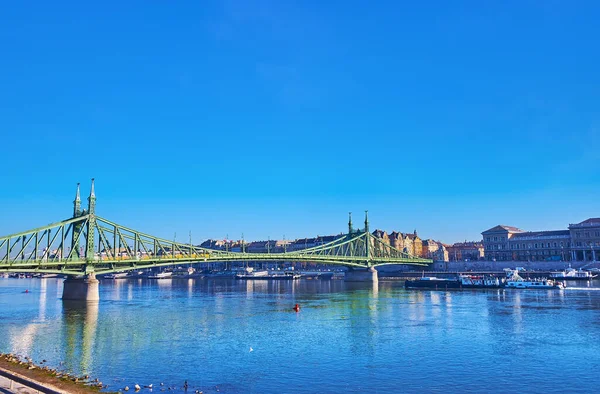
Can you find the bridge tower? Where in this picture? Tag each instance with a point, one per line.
(91, 226)
(350, 229)
(77, 227)
(368, 274)
(86, 288)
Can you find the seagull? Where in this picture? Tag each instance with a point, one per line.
(251, 349)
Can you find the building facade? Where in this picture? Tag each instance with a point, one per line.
(581, 242)
(466, 251)
(495, 242)
(585, 239)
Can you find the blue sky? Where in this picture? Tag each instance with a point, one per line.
(277, 118)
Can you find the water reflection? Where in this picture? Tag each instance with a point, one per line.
(201, 330)
(79, 334)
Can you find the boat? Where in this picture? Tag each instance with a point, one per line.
(116, 275)
(183, 272)
(324, 275)
(161, 275)
(480, 282)
(250, 273)
(572, 274)
(515, 281)
(264, 275)
(220, 275)
(4, 275)
(431, 282)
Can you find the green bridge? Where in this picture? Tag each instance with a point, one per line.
(86, 244)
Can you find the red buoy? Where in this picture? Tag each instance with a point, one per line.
(26, 291)
(297, 308)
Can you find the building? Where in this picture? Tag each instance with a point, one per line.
(585, 240)
(466, 251)
(495, 242)
(541, 246)
(408, 243)
(581, 242)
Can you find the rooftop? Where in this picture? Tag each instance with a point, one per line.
(541, 234)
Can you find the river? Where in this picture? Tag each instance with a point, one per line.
(232, 336)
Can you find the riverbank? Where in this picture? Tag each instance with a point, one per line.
(49, 378)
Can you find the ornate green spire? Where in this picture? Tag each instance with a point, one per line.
(92, 200)
(77, 204)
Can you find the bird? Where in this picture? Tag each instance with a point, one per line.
(137, 387)
(251, 349)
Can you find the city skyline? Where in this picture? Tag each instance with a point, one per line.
(274, 119)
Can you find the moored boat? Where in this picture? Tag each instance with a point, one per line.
(431, 282)
(251, 273)
(161, 275)
(515, 281)
(116, 275)
(572, 274)
(480, 282)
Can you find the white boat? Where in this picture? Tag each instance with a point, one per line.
(183, 272)
(161, 275)
(4, 275)
(514, 281)
(480, 281)
(250, 273)
(116, 275)
(572, 274)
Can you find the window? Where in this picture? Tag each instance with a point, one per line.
(561, 244)
(535, 246)
(577, 234)
(495, 238)
(555, 244)
(597, 234)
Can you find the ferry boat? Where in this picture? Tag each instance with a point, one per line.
(517, 282)
(431, 282)
(572, 274)
(250, 273)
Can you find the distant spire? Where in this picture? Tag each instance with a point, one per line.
(350, 223)
(77, 203)
(366, 221)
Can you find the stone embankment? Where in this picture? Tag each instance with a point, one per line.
(22, 375)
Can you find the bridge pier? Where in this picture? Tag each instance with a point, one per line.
(361, 275)
(81, 289)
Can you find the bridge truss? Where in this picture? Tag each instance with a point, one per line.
(87, 243)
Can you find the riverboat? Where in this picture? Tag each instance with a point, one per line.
(515, 281)
(184, 272)
(265, 275)
(431, 282)
(480, 282)
(161, 275)
(116, 275)
(572, 274)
